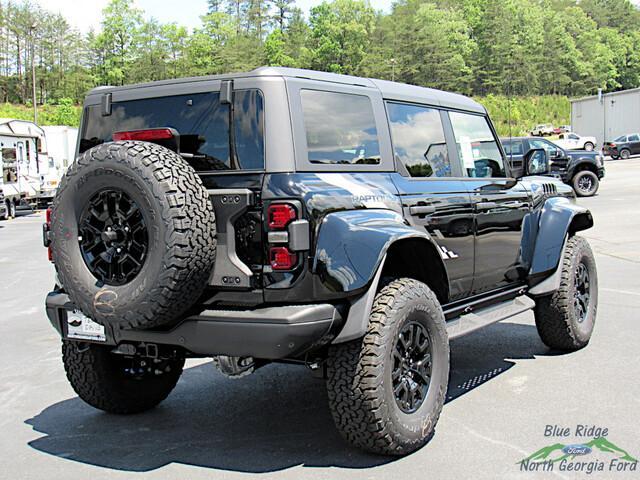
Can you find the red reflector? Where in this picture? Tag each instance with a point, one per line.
(144, 135)
(50, 254)
(47, 217)
(282, 259)
(280, 214)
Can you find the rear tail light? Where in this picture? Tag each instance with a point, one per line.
(279, 215)
(281, 258)
(147, 135)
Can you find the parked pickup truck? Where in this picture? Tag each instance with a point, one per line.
(580, 169)
(542, 130)
(573, 141)
(348, 225)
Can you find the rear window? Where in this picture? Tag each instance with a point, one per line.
(340, 128)
(201, 121)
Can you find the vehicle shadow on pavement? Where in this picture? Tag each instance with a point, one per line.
(275, 419)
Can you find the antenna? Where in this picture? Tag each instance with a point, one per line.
(509, 121)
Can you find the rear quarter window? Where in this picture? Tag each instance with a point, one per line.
(201, 121)
(340, 128)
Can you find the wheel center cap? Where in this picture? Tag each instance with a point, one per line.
(109, 236)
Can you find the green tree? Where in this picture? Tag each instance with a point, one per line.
(121, 23)
(340, 33)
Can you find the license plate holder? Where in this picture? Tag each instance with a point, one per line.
(81, 327)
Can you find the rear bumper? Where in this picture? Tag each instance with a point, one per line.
(267, 333)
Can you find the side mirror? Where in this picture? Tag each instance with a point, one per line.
(537, 162)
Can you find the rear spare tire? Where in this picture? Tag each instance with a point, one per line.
(133, 235)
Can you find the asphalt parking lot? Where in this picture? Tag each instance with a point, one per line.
(505, 388)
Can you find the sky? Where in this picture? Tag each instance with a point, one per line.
(84, 14)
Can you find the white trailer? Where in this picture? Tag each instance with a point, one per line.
(21, 164)
(59, 149)
(32, 160)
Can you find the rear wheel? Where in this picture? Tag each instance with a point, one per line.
(585, 183)
(386, 390)
(588, 146)
(565, 319)
(11, 209)
(615, 157)
(625, 154)
(116, 383)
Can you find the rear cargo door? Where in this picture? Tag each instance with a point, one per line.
(222, 138)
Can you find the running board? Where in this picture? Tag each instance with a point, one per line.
(472, 321)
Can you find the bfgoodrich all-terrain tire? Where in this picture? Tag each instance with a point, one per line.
(133, 234)
(565, 319)
(386, 390)
(115, 383)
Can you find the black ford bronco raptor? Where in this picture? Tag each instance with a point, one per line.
(351, 225)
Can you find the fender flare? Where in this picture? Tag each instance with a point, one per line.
(559, 219)
(351, 251)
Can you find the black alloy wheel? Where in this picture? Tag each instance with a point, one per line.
(411, 373)
(113, 237)
(582, 292)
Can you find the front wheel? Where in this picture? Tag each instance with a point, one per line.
(615, 157)
(585, 183)
(117, 383)
(386, 390)
(565, 319)
(625, 154)
(589, 146)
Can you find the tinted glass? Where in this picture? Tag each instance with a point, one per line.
(477, 146)
(551, 148)
(513, 147)
(634, 138)
(340, 128)
(418, 140)
(622, 138)
(9, 165)
(200, 120)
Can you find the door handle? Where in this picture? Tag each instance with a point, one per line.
(486, 205)
(422, 209)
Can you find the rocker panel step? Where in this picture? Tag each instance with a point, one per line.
(470, 322)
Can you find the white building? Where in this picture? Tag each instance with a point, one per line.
(607, 116)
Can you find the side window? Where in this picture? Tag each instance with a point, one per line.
(340, 128)
(9, 165)
(418, 140)
(573, 136)
(550, 148)
(513, 147)
(477, 147)
(634, 138)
